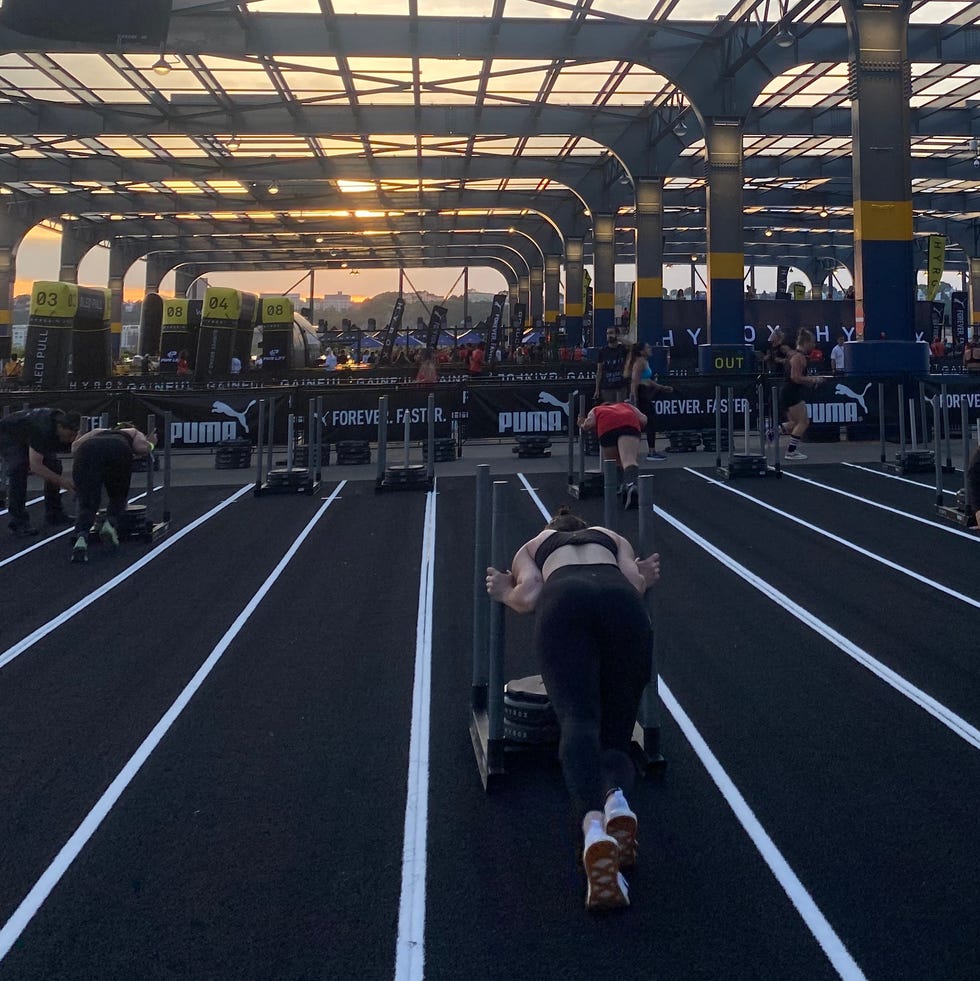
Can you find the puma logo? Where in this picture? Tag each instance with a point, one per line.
(224, 409)
(546, 398)
(851, 394)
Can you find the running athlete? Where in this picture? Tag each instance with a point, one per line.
(593, 640)
(104, 457)
(643, 389)
(791, 399)
(619, 425)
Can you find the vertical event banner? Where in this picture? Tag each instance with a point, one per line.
(958, 313)
(48, 347)
(494, 335)
(91, 345)
(151, 323)
(180, 324)
(437, 324)
(219, 319)
(276, 318)
(782, 275)
(937, 318)
(394, 325)
(937, 261)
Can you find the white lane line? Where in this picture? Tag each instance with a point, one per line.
(534, 496)
(925, 581)
(883, 507)
(51, 538)
(895, 476)
(32, 902)
(957, 725)
(410, 946)
(797, 893)
(33, 500)
(32, 638)
(811, 914)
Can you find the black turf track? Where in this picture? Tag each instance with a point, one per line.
(263, 838)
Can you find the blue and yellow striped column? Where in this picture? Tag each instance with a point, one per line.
(6, 290)
(574, 255)
(552, 288)
(604, 285)
(884, 258)
(649, 259)
(726, 249)
(535, 310)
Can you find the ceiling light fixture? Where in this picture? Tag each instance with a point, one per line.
(273, 188)
(694, 257)
(784, 37)
(824, 213)
(233, 144)
(161, 66)
(768, 233)
(680, 127)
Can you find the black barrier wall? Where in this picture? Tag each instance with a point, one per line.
(203, 418)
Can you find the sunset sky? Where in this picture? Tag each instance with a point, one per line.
(39, 258)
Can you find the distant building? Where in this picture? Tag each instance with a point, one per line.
(337, 301)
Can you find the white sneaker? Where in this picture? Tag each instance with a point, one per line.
(621, 825)
(607, 888)
(795, 455)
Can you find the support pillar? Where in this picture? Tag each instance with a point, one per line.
(535, 309)
(604, 285)
(74, 248)
(524, 296)
(184, 277)
(879, 86)
(726, 249)
(552, 278)
(8, 255)
(574, 304)
(119, 262)
(975, 297)
(156, 269)
(649, 260)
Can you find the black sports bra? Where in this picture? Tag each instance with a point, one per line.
(585, 536)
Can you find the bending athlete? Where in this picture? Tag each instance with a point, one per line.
(593, 641)
(791, 398)
(104, 457)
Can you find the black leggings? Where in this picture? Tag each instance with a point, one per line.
(972, 484)
(105, 459)
(594, 642)
(16, 458)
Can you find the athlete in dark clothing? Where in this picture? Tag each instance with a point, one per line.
(104, 457)
(611, 382)
(29, 443)
(972, 484)
(593, 640)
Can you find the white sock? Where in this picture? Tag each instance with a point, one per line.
(616, 801)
